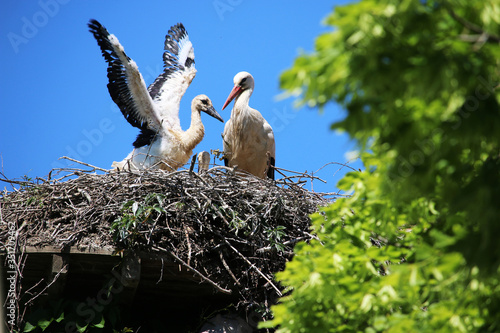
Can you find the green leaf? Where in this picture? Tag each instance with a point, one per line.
(28, 327)
(419, 228)
(159, 209)
(441, 239)
(44, 323)
(80, 328)
(100, 324)
(60, 318)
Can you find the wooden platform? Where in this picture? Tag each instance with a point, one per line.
(149, 284)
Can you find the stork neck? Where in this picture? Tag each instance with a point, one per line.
(241, 102)
(195, 132)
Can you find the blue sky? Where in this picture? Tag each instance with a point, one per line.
(54, 100)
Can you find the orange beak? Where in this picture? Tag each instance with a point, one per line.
(234, 93)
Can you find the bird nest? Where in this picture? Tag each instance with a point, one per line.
(233, 232)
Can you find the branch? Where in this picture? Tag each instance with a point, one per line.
(226, 266)
(83, 163)
(46, 287)
(255, 267)
(16, 182)
(471, 26)
(193, 160)
(225, 291)
(342, 165)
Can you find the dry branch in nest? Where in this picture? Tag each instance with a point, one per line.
(234, 232)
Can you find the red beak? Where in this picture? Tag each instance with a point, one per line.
(235, 92)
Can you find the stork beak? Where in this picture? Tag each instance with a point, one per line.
(211, 112)
(235, 92)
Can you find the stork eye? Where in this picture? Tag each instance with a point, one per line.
(243, 80)
(204, 101)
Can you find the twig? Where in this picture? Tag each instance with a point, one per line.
(291, 171)
(196, 175)
(254, 267)
(221, 167)
(161, 272)
(225, 291)
(226, 266)
(193, 160)
(307, 176)
(188, 245)
(343, 165)
(16, 182)
(83, 163)
(47, 286)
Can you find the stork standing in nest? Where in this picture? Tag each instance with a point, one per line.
(155, 110)
(248, 139)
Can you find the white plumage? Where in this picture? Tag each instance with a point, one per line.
(248, 139)
(203, 161)
(155, 109)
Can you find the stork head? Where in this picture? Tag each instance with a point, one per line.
(242, 81)
(203, 103)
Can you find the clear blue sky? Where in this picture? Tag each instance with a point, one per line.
(54, 99)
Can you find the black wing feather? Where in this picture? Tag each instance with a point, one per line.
(171, 58)
(117, 86)
(270, 171)
(146, 137)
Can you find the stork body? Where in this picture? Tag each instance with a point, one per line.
(248, 139)
(173, 149)
(155, 110)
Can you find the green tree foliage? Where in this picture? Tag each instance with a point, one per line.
(415, 247)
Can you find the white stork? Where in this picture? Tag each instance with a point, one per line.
(248, 139)
(155, 110)
(203, 161)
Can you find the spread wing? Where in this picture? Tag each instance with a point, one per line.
(169, 87)
(126, 84)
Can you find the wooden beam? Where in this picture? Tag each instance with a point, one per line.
(57, 275)
(130, 276)
(106, 250)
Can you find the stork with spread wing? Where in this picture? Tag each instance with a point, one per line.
(155, 110)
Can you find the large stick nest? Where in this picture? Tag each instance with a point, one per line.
(234, 232)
